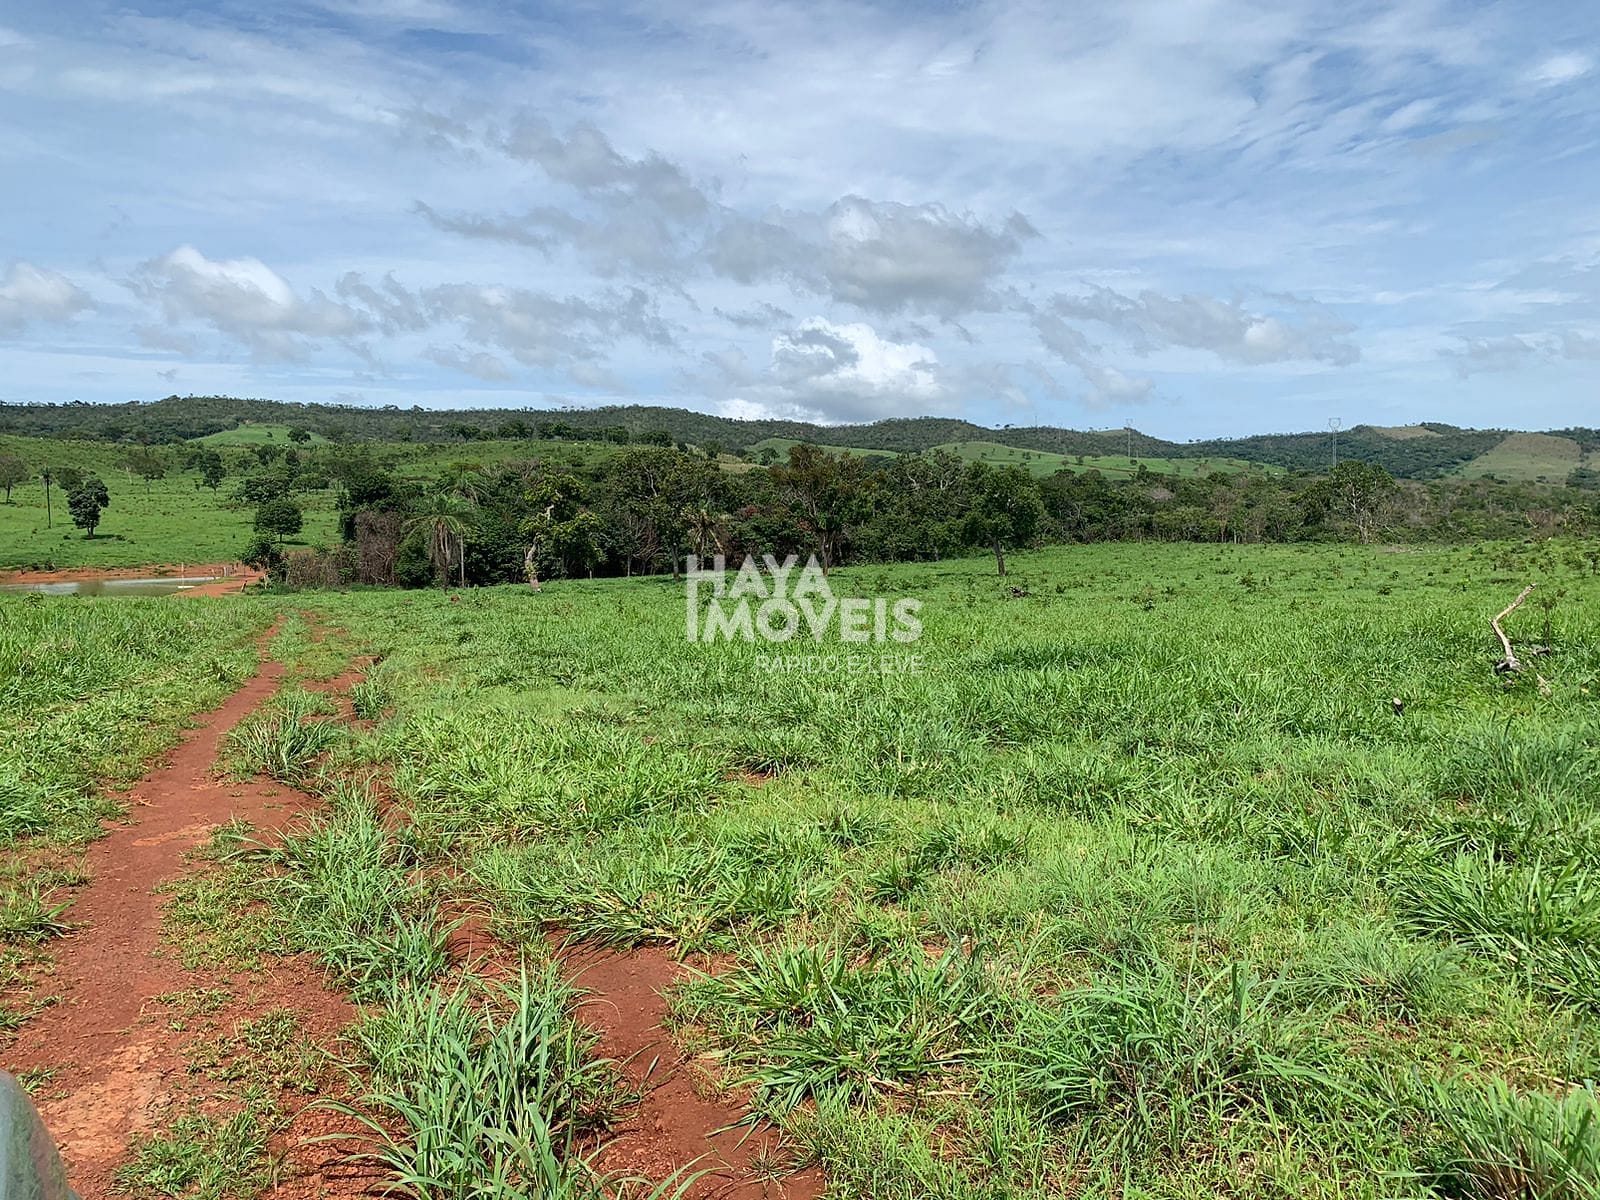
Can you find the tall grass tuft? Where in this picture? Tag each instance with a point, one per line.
(1148, 1063)
(1544, 921)
(825, 1025)
(482, 1095)
(348, 896)
(284, 738)
(1496, 1144)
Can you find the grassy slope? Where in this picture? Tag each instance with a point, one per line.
(1044, 462)
(1194, 893)
(170, 521)
(1527, 457)
(258, 435)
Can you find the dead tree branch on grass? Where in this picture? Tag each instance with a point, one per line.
(1510, 662)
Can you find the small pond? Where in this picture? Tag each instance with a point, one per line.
(112, 587)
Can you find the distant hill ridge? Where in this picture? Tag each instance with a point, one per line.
(1421, 451)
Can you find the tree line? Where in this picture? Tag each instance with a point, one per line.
(647, 508)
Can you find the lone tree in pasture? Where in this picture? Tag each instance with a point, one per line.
(1005, 508)
(280, 518)
(86, 501)
(212, 470)
(447, 521)
(13, 471)
(299, 436)
(147, 464)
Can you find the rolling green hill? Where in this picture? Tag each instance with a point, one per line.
(1528, 458)
(248, 433)
(1426, 450)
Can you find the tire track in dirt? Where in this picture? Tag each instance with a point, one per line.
(118, 1062)
(678, 1125)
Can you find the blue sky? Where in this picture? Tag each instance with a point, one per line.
(1198, 216)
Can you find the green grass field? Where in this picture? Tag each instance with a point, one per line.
(1043, 462)
(172, 521)
(249, 434)
(1171, 871)
(1527, 458)
(1141, 887)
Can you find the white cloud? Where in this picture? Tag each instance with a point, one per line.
(1300, 330)
(1508, 353)
(1560, 69)
(29, 293)
(540, 330)
(832, 373)
(245, 299)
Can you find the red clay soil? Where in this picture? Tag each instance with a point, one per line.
(118, 1063)
(680, 1124)
(120, 1068)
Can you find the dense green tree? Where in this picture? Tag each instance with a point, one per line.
(1359, 494)
(85, 501)
(212, 469)
(829, 494)
(280, 518)
(1004, 508)
(149, 465)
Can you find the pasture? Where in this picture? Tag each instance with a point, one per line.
(1169, 871)
(175, 520)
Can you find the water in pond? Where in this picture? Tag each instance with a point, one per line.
(111, 587)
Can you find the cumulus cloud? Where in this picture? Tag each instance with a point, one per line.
(889, 257)
(586, 160)
(1579, 345)
(1299, 331)
(29, 293)
(390, 304)
(759, 316)
(244, 299)
(646, 215)
(1107, 385)
(881, 256)
(832, 373)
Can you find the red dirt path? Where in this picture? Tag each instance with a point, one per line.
(118, 1062)
(680, 1124)
(120, 1067)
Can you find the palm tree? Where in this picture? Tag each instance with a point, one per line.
(703, 528)
(464, 479)
(448, 520)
